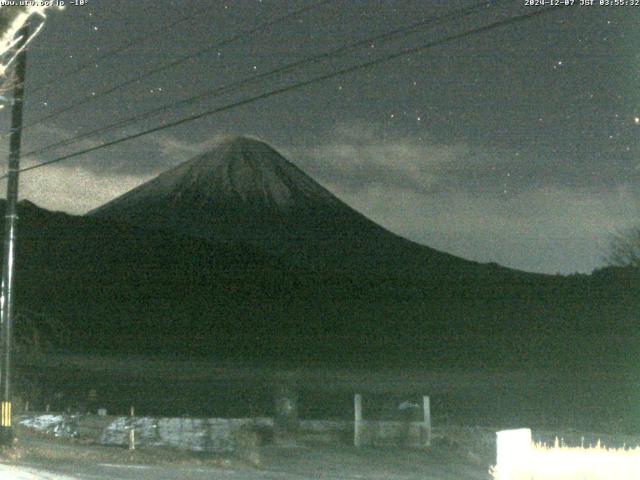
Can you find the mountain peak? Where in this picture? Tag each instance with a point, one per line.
(240, 141)
(230, 149)
(242, 190)
(239, 180)
(247, 171)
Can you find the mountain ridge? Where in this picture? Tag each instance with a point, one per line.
(244, 190)
(122, 288)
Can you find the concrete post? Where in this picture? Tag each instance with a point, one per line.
(426, 407)
(286, 420)
(357, 428)
(132, 431)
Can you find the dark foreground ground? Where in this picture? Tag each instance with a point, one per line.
(456, 453)
(468, 407)
(36, 457)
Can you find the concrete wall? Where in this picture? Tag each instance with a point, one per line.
(401, 434)
(217, 435)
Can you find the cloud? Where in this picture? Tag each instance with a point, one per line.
(357, 157)
(84, 183)
(144, 156)
(487, 205)
(74, 189)
(547, 230)
(474, 202)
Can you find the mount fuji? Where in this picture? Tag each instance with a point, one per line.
(238, 254)
(243, 190)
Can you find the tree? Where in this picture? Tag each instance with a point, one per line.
(624, 249)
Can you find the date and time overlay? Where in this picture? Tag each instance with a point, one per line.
(527, 3)
(43, 3)
(582, 3)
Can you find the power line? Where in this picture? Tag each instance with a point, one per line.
(137, 41)
(459, 13)
(344, 71)
(180, 61)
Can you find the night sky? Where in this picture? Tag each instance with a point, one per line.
(518, 145)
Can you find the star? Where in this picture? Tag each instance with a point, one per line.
(636, 120)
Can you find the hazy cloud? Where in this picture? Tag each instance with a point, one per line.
(356, 158)
(479, 204)
(572, 228)
(502, 206)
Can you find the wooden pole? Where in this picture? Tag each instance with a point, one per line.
(357, 428)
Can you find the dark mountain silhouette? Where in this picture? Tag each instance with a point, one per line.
(176, 267)
(244, 191)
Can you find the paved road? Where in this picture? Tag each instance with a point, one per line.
(143, 472)
(137, 472)
(295, 471)
(40, 458)
(146, 472)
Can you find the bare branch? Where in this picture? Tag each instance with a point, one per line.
(624, 248)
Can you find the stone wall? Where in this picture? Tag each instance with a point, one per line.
(217, 435)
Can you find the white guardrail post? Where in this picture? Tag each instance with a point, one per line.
(426, 409)
(357, 427)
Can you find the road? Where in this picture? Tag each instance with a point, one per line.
(278, 463)
(37, 457)
(155, 472)
(109, 471)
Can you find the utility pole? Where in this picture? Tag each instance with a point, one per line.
(11, 217)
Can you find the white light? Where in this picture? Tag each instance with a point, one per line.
(16, 19)
(519, 458)
(513, 450)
